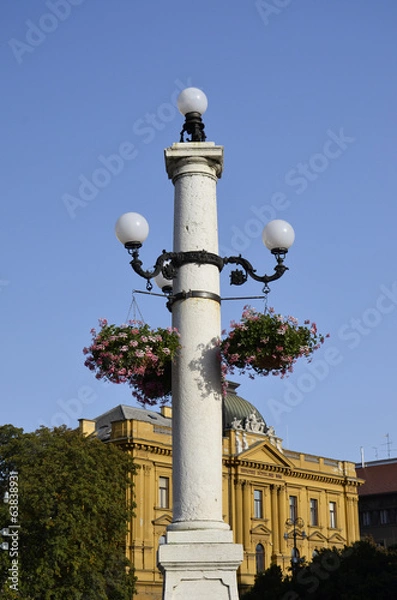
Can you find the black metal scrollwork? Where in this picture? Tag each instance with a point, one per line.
(168, 264)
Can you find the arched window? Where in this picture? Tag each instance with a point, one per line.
(260, 558)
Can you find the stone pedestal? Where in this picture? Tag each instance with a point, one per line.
(199, 559)
(200, 565)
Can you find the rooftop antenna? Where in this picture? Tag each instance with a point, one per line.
(376, 451)
(388, 444)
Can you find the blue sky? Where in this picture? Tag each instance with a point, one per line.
(303, 97)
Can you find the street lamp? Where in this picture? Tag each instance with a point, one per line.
(192, 103)
(199, 558)
(132, 230)
(296, 524)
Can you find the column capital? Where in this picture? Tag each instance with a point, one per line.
(241, 482)
(194, 157)
(275, 488)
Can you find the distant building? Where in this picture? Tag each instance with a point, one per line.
(264, 484)
(378, 501)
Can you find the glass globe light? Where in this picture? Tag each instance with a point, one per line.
(163, 283)
(278, 234)
(131, 228)
(192, 100)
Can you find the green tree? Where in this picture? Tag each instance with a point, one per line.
(269, 584)
(73, 515)
(358, 572)
(362, 571)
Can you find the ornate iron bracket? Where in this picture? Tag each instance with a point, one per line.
(168, 264)
(238, 277)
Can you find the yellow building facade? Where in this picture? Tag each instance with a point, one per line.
(272, 497)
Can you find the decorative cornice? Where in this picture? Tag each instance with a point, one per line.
(289, 472)
(147, 447)
(236, 463)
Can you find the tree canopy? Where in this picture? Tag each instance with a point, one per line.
(361, 571)
(68, 513)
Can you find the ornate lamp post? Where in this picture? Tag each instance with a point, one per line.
(199, 559)
(296, 524)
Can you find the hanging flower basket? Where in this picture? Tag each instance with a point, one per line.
(268, 343)
(269, 363)
(135, 354)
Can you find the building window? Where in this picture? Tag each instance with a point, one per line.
(384, 516)
(332, 515)
(164, 492)
(260, 558)
(293, 508)
(313, 511)
(258, 504)
(366, 518)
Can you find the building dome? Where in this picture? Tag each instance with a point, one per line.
(237, 408)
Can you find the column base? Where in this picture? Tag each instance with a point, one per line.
(199, 525)
(200, 565)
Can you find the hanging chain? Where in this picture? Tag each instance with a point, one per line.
(135, 309)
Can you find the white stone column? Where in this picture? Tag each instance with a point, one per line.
(199, 559)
